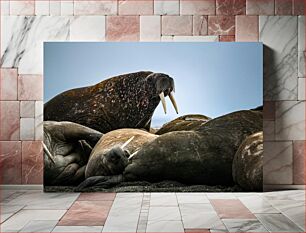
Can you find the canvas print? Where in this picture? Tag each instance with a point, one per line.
(146, 117)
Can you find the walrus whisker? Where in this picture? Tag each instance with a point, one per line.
(171, 96)
(46, 150)
(127, 142)
(162, 97)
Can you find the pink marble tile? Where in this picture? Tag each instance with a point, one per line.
(9, 120)
(260, 7)
(227, 38)
(8, 84)
(27, 108)
(200, 25)
(221, 25)
(122, 28)
(32, 162)
(230, 7)
(105, 7)
(97, 197)
(231, 208)
(176, 25)
(10, 162)
(21, 7)
(298, 7)
(283, 7)
(86, 213)
(247, 28)
(269, 110)
(30, 87)
(269, 130)
(299, 162)
(135, 7)
(197, 7)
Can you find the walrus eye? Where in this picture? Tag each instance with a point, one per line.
(114, 158)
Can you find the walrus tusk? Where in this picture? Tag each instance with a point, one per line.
(171, 96)
(133, 154)
(48, 152)
(127, 142)
(162, 98)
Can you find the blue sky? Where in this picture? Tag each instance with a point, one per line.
(210, 78)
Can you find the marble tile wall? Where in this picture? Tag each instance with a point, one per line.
(278, 24)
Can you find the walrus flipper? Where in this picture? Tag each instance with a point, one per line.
(99, 181)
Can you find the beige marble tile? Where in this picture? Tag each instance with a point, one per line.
(166, 7)
(301, 89)
(150, 28)
(42, 7)
(27, 109)
(55, 8)
(27, 131)
(301, 47)
(277, 168)
(66, 7)
(165, 226)
(87, 28)
(290, 120)
(5, 7)
(279, 35)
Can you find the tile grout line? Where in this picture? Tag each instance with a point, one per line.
(145, 205)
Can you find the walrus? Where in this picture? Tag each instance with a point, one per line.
(201, 156)
(103, 159)
(186, 123)
(67, 147)
(248, 163)
(124, 101)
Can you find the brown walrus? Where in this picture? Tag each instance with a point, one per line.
(183, 123)
(248, 163)
(103, 160)
(124, 101)
(200, 156)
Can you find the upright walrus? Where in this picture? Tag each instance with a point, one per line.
(124, 101)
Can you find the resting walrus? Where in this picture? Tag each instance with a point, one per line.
(103, 158)
(202, 156)
(67, 147)
(124, 101)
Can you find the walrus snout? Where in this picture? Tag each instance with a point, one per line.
(164, 86)
(116, 160)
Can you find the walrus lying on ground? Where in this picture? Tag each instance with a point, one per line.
(248, 163)
(67, 147)
(124, 101)
(201, 156)
(103, 158)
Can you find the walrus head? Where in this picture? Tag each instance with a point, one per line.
(114, 161)
(131, 99)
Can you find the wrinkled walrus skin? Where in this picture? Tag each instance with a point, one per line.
(124, 101)
(201, 156)
(70, 145)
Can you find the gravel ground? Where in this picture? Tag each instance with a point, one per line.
(165, 186)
